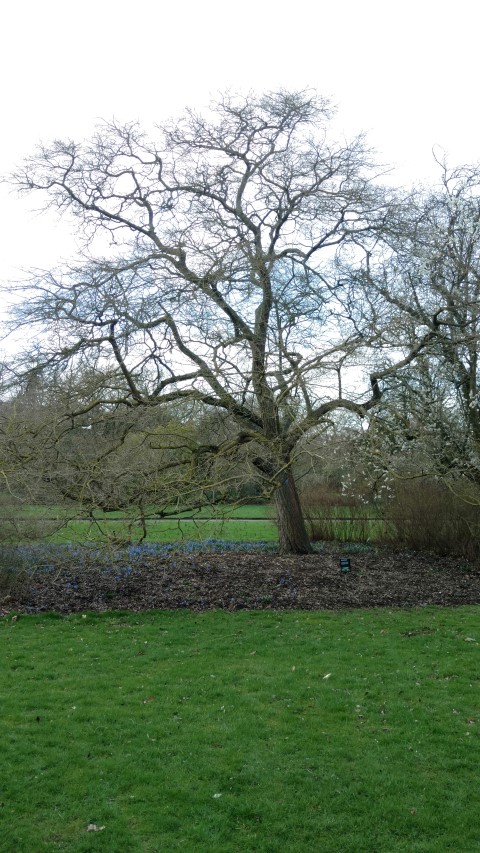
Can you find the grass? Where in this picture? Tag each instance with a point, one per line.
(339, 523)
(226, 523)
(354, 732)
(343, 524)
(221, 511)
(227, 511)
(234, 530)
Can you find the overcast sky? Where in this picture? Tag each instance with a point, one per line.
(406, 73)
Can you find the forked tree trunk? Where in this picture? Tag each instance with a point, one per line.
(292, 532)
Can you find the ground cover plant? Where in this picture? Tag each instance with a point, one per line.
(353, 732)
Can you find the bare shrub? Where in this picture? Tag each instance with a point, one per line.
(317, 497)
(428, 515)
(12, 573)
(15, 533)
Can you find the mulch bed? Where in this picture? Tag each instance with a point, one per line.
(257, 581)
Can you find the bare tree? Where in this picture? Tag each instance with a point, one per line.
(431, 279)
(220, 279)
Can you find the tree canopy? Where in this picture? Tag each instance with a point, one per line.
(243, 261)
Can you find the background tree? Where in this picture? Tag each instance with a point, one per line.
(431, 279)
(111, 458)
(219, 279)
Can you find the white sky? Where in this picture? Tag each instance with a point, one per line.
(405, 72)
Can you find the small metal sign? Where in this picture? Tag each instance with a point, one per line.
(344, 564)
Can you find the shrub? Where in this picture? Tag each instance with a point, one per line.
(317, 497)
(332, 516)
(428, 515)
(12, 572)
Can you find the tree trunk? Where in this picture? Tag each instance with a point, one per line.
(292, 532)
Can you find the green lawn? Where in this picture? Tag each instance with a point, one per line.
(221, 511)
(226, 523)
(233, 530)
(347, 524)
(354, 732)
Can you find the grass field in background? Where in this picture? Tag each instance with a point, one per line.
(169, 531)
(229, 733)
(225, 522)
(343, 524)
(222, 511)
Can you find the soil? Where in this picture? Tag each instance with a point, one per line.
(254, 580)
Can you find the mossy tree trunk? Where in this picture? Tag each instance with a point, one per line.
(292, 532)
